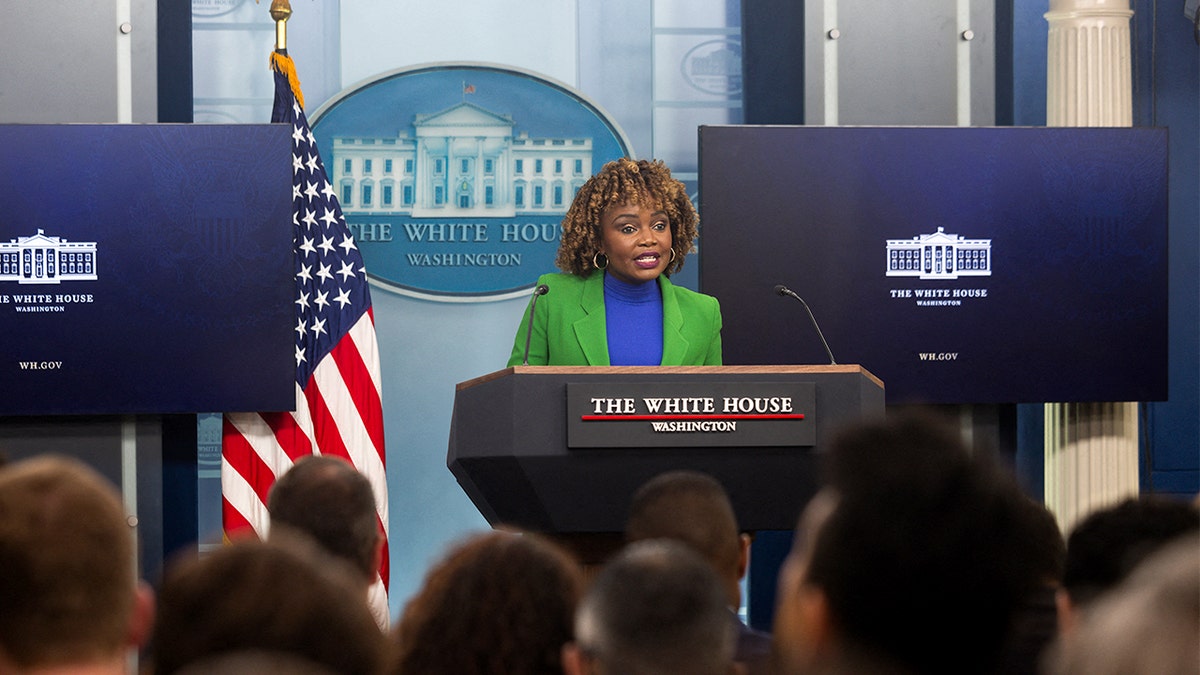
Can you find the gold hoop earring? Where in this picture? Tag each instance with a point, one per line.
(596, 263)
(672, 255)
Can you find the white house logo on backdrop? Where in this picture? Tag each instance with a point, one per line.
(45, 259)
(714, 67)
(211, 8)
(939, 256)
(465, 161)
(454, 179)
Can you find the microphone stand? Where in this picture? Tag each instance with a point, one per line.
(538, 292)
(785, 291)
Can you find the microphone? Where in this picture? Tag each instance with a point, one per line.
(538, 292)
(780, 289)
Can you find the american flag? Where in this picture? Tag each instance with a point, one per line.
(338, 404)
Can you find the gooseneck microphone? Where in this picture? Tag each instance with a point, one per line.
(538, 292)
(780, 289)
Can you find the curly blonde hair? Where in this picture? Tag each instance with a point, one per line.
(625, 181)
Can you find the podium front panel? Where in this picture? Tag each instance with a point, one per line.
(509, 446)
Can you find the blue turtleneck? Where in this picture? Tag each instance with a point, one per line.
(634, 321)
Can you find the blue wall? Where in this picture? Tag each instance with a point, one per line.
(1167, 94)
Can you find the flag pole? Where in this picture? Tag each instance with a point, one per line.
(281, 11)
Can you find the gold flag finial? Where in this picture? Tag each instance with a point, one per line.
(281, 11)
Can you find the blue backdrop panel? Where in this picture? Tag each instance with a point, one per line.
(145, 268)
(959, 265)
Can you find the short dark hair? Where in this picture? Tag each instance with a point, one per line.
(919, 559)
(1045, 547)
(497, 603)
(1148, 623)
(286, 595)
(1105, 546)
(689, 507)
(66, 563)
(657, 608)
(327, 499)
(1035, 625)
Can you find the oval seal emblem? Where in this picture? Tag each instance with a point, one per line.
(714, 67)
(454, 178)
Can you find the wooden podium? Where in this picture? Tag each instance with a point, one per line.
(561, 449)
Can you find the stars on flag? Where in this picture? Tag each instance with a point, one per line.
(329, 264)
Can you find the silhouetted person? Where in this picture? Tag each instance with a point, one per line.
(69, 598)
(907, 561)
(286, 596)
(1149, 624)
(1107, 545)
(693, 508)
(654, 609)
(326, 498)
(497, 603)
(1036, 624)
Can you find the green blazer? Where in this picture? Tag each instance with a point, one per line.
(569, 327)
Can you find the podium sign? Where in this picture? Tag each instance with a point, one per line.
(705, 413)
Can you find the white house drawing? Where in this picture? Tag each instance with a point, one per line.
(42, 259)
(462, 162)
(939, 256)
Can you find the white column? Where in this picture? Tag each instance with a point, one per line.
(1091, 448)
(124, 61)
(1090, 68)
(477, 188)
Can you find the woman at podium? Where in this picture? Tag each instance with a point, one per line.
(628, 229)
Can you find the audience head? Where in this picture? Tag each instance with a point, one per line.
(1045, 549)
(694, 509)
(498, 603)
(284, 596)
(1108, 544)
(1036, 622)
(1148, 625)
(655, 609)
(327, 499)
(67, 570)
(908, 559)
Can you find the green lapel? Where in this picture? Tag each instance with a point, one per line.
(675, 345)
(591, 330)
